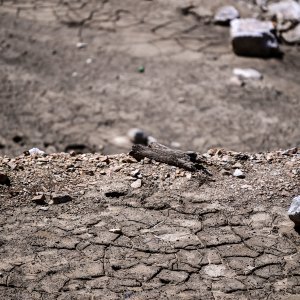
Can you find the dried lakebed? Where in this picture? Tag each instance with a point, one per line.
(76, 227)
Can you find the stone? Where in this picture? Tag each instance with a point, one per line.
(136, 184)
(39, 199)
(137, 136)
(121, 141)
(236, 81)
(251, 37)
(60, 198)
(4, 179)
(238, 173)
(292, 36)
(247, 73)
(237, 165)
(283, 11)
(290, 152)
(36, 151)
(12, 165)
(294, 211)
(89, 61)
(135, 173)
(116, 230)
(225, 14)
(44, 208)
(189, 176)
(81, 45)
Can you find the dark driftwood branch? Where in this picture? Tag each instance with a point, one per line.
(155, 151)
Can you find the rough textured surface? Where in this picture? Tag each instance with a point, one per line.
(51, 98)
(180, 235)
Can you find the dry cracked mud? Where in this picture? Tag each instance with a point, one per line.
(109, 227)
(181, 235)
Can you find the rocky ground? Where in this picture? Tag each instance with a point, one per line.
(108, 227)
(59, 95)
(75, 76)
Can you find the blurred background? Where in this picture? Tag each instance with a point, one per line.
(95, 76)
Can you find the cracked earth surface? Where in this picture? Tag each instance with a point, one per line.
(51, 96)
(181, 235)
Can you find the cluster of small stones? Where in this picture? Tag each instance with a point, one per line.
(172, 234)
(256, 37)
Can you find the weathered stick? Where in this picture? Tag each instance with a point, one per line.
(163, 154)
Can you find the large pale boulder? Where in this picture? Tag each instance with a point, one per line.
(251, 37)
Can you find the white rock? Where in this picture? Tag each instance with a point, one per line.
(81, 45)
(251, 37)
(225, 14)
(238, 173)
(136, 184)
(292, 36)
(36, 151)
(189, 175)
(89, 61)
(137, 136)
(135, 173)
(294, 211)
(283, 11)
(247, 73)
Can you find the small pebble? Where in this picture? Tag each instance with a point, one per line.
(188, 175)
(141, 69)
(137, 184)
(138, 136)
(225, 14)
(115, 230)
(135, 173)
(44, 208)
(239, 173)
(36, 151)
(60, 198)
(247, 73)
(89, 61)
(39, 199)
(81, 45)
